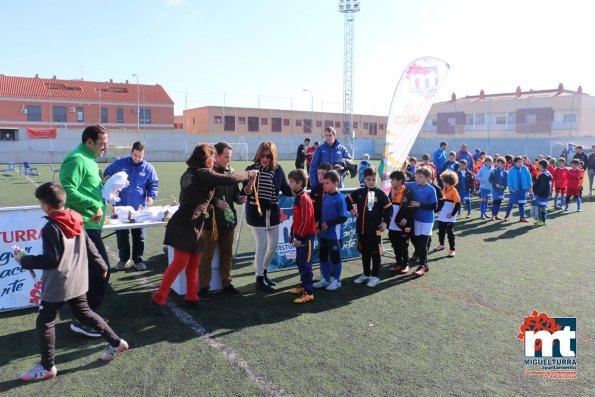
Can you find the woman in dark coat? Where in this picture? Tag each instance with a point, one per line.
(263, 214)
(184, 229)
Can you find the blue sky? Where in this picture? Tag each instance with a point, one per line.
(267, 51)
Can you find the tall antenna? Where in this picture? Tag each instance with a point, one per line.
(348, 8)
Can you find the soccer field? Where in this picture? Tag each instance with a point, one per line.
(452, 332)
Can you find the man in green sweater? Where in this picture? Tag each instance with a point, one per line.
(81, 179)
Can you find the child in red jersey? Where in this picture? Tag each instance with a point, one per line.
(303, 231)
(560, 182)
(552, 169)
(573, 185)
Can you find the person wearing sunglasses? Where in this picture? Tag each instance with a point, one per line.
(263, 214)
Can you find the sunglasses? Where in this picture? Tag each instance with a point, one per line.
(268, 156)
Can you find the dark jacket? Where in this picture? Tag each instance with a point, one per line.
(67, 250)
(590, 164)
(184, 229)
(469, 181)
(581, 157)
(231, 193)
(368, 221)
(316, 195)
(253, 218)
(498, 177)
(542, 186)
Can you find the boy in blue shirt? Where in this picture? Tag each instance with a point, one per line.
(330, 241)
(485, 186)
(519, 182)
(425, 202)
(498, 178)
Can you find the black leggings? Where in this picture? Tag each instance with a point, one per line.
(400, 242)
(369, 246)
(47, 332)
(443, 229)
(97, 284)
(421, 246)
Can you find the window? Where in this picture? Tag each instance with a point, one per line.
(9, 134)
(241, 120)
(511, 118)
(59, 114)
(469, 119)
(145, 116)
(230, 123)
(570, 118)
(286, 122)
(373, 128)
(193, 121)
(120, 115)
(217, 120)
(531, 118)
(33, 113)
(264, 121)
(355, 125)
(381, 127)
(318, 123)
(80, 114)
(328, 123)
(307, 126)
(276, 124)
(337, 124)
(479, 119)
(366, 125)
(500, 119)
(104, 115)
(451, 122)
(298, 123)
(253, 124)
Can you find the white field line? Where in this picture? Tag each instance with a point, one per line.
(232, 357)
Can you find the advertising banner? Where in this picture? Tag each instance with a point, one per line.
(19, 226)
(49, 133)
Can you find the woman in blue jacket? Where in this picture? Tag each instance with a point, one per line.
(519, 182)
(331, 151)
(263, 213)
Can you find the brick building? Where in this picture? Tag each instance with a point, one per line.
(36, 102)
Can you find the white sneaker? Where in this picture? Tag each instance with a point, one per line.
(321, 284)
(361, 279)
(334, 285)
(374, 281)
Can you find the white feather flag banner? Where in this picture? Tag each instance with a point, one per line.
(418, 86)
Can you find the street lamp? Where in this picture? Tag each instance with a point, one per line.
(137, 103)
(311, 107)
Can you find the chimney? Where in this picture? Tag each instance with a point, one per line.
(36, 75)
(453, 97)
(580, 89)
(54, 77)
(126, 81)
(111, 80)
(560, 88)
(482, 95)
(518, 92)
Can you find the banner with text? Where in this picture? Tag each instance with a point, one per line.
(285, 255)
(20, 226)
(49, 133)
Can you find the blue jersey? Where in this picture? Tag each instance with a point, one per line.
(423, 194)
(333, 207)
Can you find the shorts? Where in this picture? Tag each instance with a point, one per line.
(571, 192)
(541, 200)
(422, 228)
(561, 190)
(498, 194)
(485, 193)
(518, 197)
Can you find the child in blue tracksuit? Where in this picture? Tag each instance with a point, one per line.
(334, 215)
(485, 186)
(519, 182)
(465, 186)
(498, 179)
(542, 190)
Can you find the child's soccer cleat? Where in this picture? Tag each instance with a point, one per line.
(374, 281)
(469, 215)
(524, 220)
(506, 218)
(539, 223)
(334, 285)
(305, 297)
(399, 269)
(498, 218)
(578, 210)
(361, 279)
(421, 271)
(492, 218)
(439, 247)
(110, 352)
(321, 284)
(38, 373)
(297, 291)
(451, 254)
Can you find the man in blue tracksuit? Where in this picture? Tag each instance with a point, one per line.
(439, 159)
(331, 151)
(142, 190)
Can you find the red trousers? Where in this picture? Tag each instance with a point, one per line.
(182, 259)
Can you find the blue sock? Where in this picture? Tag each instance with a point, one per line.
(508, 210)
(567, 202)
(325, 269)
(578, 203)
(556, 201)
(337, 267)
(468, 206)
(543, 212)
(522, 210)
(494, 209)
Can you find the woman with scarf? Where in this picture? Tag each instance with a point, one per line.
(263, 214)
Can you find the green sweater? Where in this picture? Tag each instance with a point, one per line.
(79, 175)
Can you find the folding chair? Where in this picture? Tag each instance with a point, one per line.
(30, 171)
(54, 171)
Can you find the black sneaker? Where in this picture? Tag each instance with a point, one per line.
(267, 280)
(232, 290)
(79, 328)
(160, 310)
(204, 294)
(196, 304)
